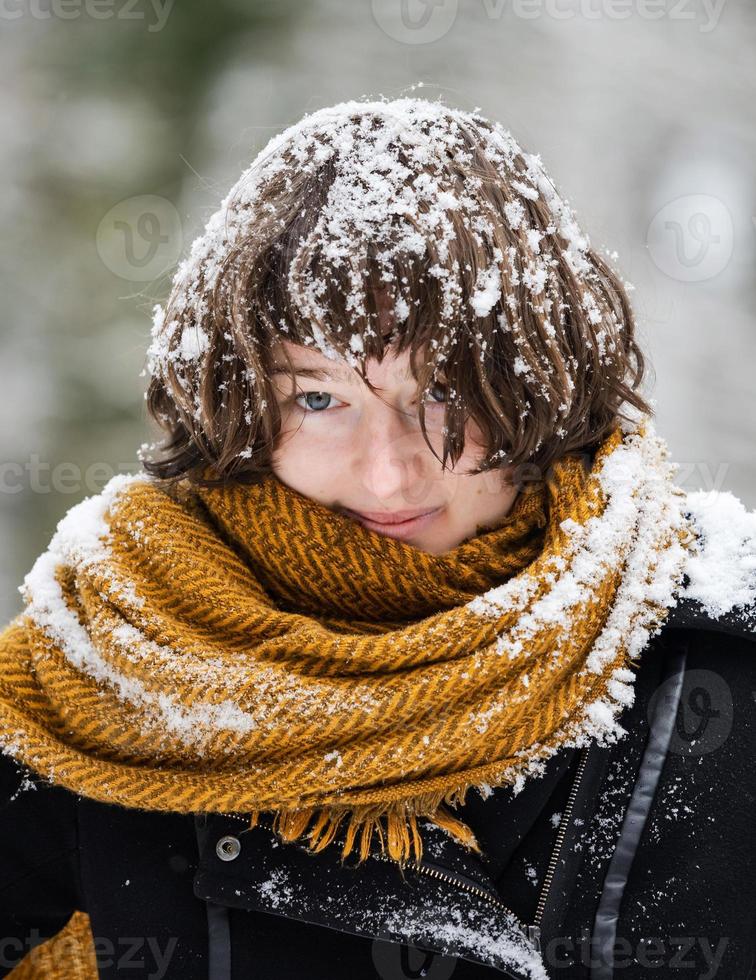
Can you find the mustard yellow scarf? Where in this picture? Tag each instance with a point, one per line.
(245, 649)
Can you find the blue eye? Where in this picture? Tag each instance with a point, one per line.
(316, 402)
(318, 396)
(443, 389)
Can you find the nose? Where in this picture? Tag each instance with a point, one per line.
(393, 464)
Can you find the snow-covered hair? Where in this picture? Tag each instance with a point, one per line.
(401, 224)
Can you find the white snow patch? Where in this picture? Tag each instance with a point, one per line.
(722, 567)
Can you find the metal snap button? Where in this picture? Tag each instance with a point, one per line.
(228, 848)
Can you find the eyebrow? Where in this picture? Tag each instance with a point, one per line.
(322, 374)
(319, 373)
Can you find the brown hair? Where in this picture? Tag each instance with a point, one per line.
(541, 352)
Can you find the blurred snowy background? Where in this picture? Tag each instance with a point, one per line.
(124, 122)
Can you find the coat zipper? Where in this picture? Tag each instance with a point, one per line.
(532, 930)
(458, 883)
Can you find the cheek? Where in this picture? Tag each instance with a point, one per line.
(474, 441)
(290, 449)
(305, 457)
(474, 450)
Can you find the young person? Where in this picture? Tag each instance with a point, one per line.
(404, 655)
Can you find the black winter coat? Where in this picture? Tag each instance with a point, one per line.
(645, 849)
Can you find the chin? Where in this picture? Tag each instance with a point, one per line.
(436, 547)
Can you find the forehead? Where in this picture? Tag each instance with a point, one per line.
(302, 356)
(308, 359)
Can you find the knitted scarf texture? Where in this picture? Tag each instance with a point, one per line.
(246, 649)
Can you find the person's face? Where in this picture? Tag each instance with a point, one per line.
(357, 451)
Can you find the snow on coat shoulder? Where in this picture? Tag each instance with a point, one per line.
(721, 566)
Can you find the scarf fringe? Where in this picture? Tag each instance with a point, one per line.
(400, 839)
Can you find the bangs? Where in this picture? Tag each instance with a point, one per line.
(361, 318)
(379, 249)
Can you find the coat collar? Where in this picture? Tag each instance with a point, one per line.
(447, 905)
(690, 614)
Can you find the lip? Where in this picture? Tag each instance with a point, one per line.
(397, 528)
